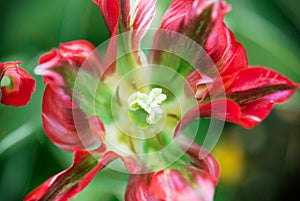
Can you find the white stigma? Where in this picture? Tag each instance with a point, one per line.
(149, 103)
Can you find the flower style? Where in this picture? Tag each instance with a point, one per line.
(120, 106)
(17, 85)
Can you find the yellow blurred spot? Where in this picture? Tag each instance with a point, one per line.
(231, 158)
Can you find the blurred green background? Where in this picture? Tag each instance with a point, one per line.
(257, 165)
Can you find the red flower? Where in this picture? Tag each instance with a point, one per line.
(79, 111)
(19, 87)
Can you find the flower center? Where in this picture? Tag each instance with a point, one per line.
(149, 104)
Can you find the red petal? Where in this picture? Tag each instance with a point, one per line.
(254, 112)
(144, 13)
(48, 62)
(22, 86)
(111, 13)
(70, 182)
(228, 55)
(175, 14)
(81, 52)
(59, 67)
(257, 89)
(206, 185)
(136, 18)
(61, 127)
(138, 14)
(194, 181)
(202, 159)
(133, 17)
(222, 109)
(194, 18)
(79, 47)
(72, 53)
(137, 188)
(266, 80)
(171, 185)
(135, 14)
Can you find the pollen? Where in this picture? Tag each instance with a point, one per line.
(150, 103)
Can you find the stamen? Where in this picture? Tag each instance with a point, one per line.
(133, 85)
(173, 116)
(118, 96)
